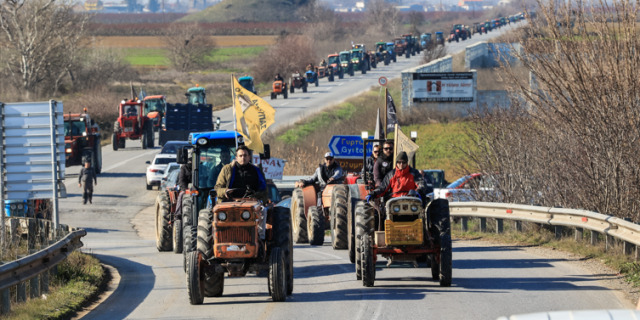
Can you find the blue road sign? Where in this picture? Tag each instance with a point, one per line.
(346, 147)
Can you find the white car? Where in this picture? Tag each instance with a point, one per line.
(156, 169)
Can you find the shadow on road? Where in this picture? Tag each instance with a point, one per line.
(527, 284)
(122, 175)
(136, 281)
(76, 195)
(323, 270)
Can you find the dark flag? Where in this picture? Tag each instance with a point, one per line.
(392, 119)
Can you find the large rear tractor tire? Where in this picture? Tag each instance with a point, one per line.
(189, 229)
(97, 157)
(277, 278)
(194, 279)
(273, 95)
(339, 211)
(213, 284)
(315, 226)
(368, 263)
(364, 227)
(285, 94)
(114, 142)
(205, 233)
(283, 234)
(298, 217)
(163, 222)
(177, 236)
(150, 136)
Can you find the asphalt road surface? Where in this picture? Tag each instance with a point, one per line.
(488, 280)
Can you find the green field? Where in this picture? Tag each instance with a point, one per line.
(145, 57)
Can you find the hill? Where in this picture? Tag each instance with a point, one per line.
(250, 11)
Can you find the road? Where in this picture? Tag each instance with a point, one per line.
(488, 280)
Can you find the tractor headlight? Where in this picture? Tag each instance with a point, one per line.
(222, 216)
(68, 150)
(20, 206)
(246, 215)
(202, 141)
(396, 209)
(13, 207)
(414, 208)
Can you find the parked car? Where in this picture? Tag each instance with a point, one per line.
(156, 169)
(472, 187)
(171, 147)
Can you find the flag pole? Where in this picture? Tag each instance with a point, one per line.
(235, 119)
(386, 113)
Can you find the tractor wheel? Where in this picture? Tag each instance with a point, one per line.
(317, 82)
(114, 142)
(395, 59)
(273, 95)
(149, 187)
(150, 136)
(407, 54)
(282, 236)
(368, 262)
(298, 218)
(194, 278)
(189, 229)
(277, 278)
(386, 60)
(177, 236)
(364, 227)
(97, 152)
(339, 223)
(351, 245)
(291, 88)
(144, 139)
(341, 75)
(352, 71)
(315, 226)
(205, 233)
(285, 94)
(304, 88)
(163, 223)
(213, 284)
(331, 78)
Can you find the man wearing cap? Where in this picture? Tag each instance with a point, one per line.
(88, 177)
(400, 180)
(328, 173)
(384, 163)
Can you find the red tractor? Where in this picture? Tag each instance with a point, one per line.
(154, 109)
(82, 140)
(132, 124)
(309, 220)
(279, 87)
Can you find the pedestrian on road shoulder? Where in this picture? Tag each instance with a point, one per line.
(88, 178)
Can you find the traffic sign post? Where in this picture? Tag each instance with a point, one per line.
(348, 147)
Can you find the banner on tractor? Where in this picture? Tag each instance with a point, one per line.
(273, 168)
(404, 143)
(253, 116)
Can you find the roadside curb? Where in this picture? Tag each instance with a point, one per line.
(109, 287)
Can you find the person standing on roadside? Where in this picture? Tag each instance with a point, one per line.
(88, 177)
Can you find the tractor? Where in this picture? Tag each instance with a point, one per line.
(335, 68)
(180, 120)
(226, 238)
(410, 45)
(439, 38)
(426, 42)
(360, 63)
(247, 83)
(82, 140)
(154, 109)
(310, 217)
(400, 46)
(311, 76)
(345, 62)
(132, 124)
(279, 87)
(297, 82)
(385, 53)
(168, 228)
(403, 229)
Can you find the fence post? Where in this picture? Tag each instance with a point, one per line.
(609, 241)
(518, 226)
(464, 225)
(594, 238)
(579, 235)
(32, 235)
(499, 225)
(558, 232)
(483, 224)
(34, 287)
(21, 291)
(44, 282)
(5, 301)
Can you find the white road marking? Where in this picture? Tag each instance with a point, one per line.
(129, 159)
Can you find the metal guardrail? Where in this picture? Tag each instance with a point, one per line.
(31, 266)
(581, 219)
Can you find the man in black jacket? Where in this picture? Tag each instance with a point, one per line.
(384, 164)
(88, 177)
(371, 161)
(184, 179)
(328, 173)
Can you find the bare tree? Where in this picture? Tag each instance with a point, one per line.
(383, 16)
(290, 53)
(43, 38)
(572, 138)
(187, 46)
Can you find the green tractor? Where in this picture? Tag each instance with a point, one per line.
(345, 62)
(359, 62)
(196, 95)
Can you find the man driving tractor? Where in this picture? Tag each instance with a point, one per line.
(400, 181)
(328, 173)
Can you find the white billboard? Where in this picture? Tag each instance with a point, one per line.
(443, 87)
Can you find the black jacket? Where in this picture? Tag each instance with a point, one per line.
(184, 177)
(382, 166)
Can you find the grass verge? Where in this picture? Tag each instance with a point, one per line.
(78, 280)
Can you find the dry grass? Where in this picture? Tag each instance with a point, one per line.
(159, 42)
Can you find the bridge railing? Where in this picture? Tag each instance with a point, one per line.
(610, 226)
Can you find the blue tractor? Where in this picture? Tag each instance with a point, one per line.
(312, 77)
(247, 83)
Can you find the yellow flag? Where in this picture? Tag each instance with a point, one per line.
(403, 143)
(253, 116)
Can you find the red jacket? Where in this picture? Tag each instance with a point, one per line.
(400, 182)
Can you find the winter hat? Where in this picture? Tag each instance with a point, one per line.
(402, 156)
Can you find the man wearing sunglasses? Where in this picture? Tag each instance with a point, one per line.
(400, 181)
(328, 173)
(368, 167)
(384, 163)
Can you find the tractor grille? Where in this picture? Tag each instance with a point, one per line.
(403, 233)
(235, 234)
(128, 125)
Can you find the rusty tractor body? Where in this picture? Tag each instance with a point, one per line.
(297, 82)
(154, 109)
(311, 216)
(334, 67)
(278, 87)
(82, 140)
(132, 124)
